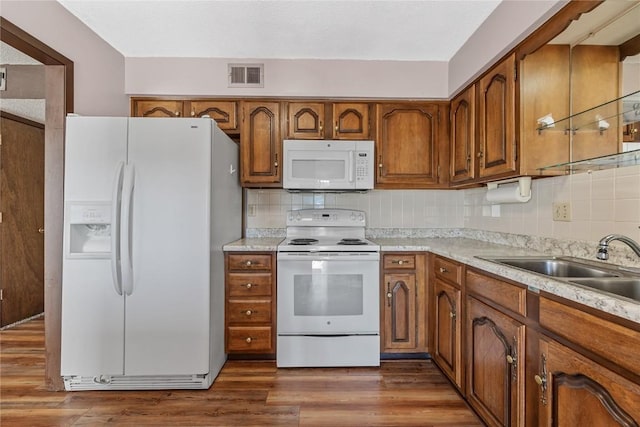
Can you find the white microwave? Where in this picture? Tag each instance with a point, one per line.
(328, 165)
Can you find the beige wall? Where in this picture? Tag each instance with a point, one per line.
(98, 68)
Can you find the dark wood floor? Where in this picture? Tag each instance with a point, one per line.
(246, 393)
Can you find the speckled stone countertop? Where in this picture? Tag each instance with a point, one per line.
(466, 250)
(253, 244)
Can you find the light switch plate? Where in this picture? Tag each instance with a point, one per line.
(562, 211)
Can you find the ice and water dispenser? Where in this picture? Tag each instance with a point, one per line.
(89, 229)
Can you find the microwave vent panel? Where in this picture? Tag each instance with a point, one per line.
(246, 75)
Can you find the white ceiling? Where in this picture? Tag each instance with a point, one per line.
(400, 30)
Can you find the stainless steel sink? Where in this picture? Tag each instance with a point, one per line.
(617, 280)
(555, 267)
(628, 287)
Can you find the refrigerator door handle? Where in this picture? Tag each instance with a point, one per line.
(116, 199)
(125, 229)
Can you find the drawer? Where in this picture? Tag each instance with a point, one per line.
(248, 284)
(249, 339)
(448, 270)
(249, 262)
(506, 294)
(399, 261)
(249, 311)
(593, 333)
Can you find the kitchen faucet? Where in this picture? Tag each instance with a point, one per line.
(603, 246)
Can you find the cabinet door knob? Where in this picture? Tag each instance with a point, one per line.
(248, 340)
(510, 359)
(248, 263)
(193, 114)
(480, 154)
(443, 270)
(539, 380)
(41, 230)
(320, 128)
(177, 113)
(248, 285)
(248, 312)
(452, 314)
(337, 129)
(389, 295)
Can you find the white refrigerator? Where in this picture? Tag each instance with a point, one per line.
(148, 203)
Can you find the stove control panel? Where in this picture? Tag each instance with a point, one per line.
(326, 217)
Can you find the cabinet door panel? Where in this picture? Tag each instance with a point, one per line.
(579, 392)
(494, 369)
(157, 108)
(407, 145)
(447, 336)
(260, 143)
(306, 120)
(223, 112)
(351, 121)
(463, 136)
(496, 120)
(400, 311)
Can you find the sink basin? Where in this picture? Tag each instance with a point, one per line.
(555, 267)
(628, 287)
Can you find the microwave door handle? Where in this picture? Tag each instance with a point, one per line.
(351, 166)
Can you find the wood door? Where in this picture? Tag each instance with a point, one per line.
(495, 365)
(589, 64)
(463, 136)
(575, 391)
(305, 120)
(400, 330)
(406, 145)
(447, 337)
(544, 89)
(157, 108)
(260, 143)
(351, 121)
(225, 113)
(496, 120)
(22, 221)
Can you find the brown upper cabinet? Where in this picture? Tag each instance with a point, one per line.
(407, 145)
(320, 120)
(496, 148)
(225, 113)
(261, 144)
(463, 138)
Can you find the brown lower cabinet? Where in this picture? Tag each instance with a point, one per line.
(250, 303)
(403, 303)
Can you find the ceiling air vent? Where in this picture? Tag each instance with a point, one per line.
(246, 75)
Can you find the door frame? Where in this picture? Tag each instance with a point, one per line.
(59, 102)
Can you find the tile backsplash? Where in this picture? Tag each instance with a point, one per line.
(601, 202)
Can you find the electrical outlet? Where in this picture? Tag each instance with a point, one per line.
(562, 211)
(251, 210)
(3, 78)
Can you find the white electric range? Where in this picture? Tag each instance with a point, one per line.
(328, 291)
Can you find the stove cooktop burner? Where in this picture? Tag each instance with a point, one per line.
(351, 242)
(303, 241)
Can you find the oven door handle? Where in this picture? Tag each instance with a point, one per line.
(351, 166)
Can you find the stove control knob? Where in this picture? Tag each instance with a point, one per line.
(290, 216)
(361, 217)
(353, 217)
(298, 217)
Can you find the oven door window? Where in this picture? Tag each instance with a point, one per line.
(336, 296)
(327, 295)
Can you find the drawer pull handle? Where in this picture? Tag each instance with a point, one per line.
(248, 340)
(443, 270)
(248, 285)
(248, 263)
(397, 261)
(248, 312)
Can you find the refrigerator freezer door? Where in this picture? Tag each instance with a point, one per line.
(167, 312)
(92, 311)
